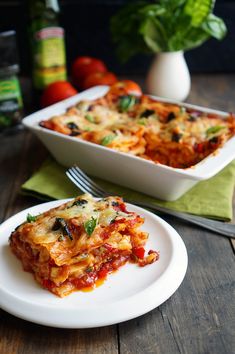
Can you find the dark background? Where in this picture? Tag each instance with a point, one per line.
(87, 33)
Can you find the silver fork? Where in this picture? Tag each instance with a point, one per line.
(87, 185)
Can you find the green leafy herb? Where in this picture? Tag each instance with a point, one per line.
(107, 139)
(164, 26)
(142, 121)
(90, 225)
(214, 130)
(30, 218)
(126, 102)
(90, 118)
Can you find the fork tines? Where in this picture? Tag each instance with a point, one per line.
(84, 183)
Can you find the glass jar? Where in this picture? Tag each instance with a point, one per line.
(11, 104)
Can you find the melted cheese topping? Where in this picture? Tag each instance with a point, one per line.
(77, 214)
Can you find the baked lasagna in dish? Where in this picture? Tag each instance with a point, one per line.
(73, 246)
(164, 133)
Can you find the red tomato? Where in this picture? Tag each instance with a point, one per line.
(84, 66)
(57, 91)
(138, 252)
(102, 273)
(199, 148)
(99, 78)
(48, 284)
(126, 87)
(109, 247)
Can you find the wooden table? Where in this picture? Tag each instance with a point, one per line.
(198, 318)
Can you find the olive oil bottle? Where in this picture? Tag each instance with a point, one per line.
(47, 43)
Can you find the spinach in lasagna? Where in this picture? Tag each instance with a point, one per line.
(71, 247)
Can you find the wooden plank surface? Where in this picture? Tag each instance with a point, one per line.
(18, 336)
(198, 318)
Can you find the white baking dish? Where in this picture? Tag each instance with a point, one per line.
(157, 180)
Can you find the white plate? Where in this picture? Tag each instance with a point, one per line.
(126, 294)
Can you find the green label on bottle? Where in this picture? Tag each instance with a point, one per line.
(49, 56)
(10, 102)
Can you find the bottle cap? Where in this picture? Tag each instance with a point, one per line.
(8, 53)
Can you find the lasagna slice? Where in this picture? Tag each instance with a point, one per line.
(73, 246)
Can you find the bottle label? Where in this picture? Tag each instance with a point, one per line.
(49, 56)
(10, 102)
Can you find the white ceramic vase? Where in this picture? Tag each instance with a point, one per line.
(169, 76)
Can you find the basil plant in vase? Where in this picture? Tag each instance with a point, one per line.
(167, 28)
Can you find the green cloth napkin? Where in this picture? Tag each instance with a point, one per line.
(211, 198)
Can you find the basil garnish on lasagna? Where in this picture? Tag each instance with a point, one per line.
(71, 247)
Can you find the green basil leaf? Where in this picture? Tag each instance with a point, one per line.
(214, 130)
(215, 27)
(154, 35)
(142, 121)
(198, 10)
(194, 37)
(90, 225)
(126, 102)
(90, 118)
(30, 218)
(107, 139)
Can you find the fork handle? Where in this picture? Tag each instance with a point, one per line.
(219, 227)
